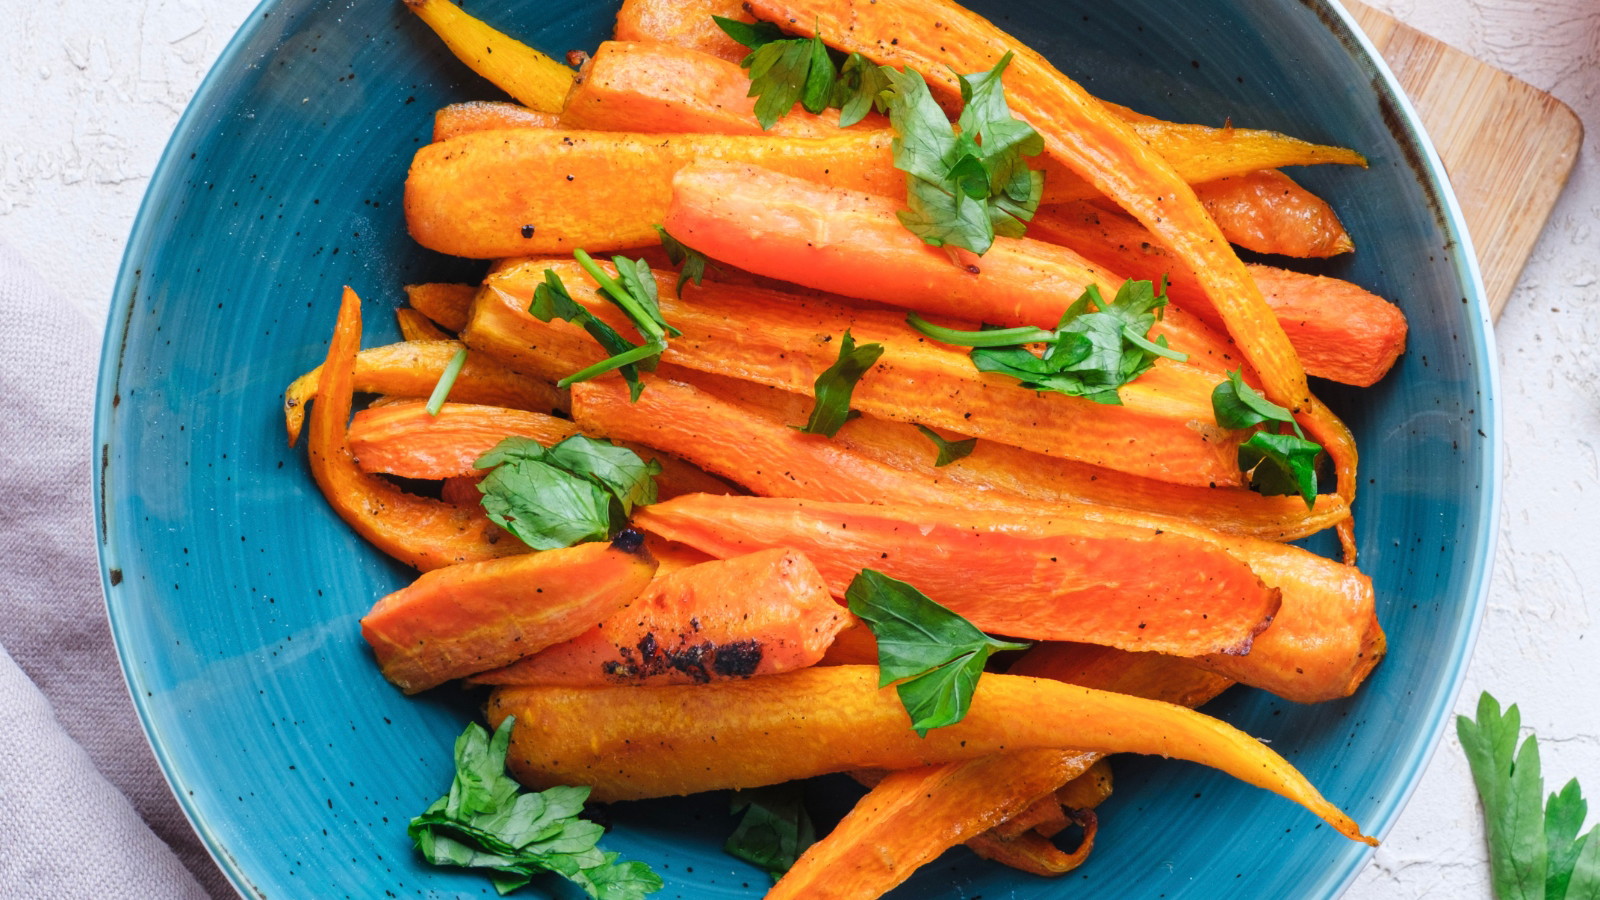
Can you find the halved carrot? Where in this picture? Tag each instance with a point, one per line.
(653, 87)
(485, 115)
(1267, 212)
(448, 305)
(418, 531)
(685, 23)
(1342, 332)
(405, 439)
(470, 618)
(522, 191)
(758, 614)
(911, 817)
(412, 369)
(634, 742)
(414, 326)
(533, 78)
(939, 38)
(751, 442)
(1160, 431)
(1065, 578)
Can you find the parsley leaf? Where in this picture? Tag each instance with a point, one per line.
(1096, 348)
(487, 821)
(787, 70)
(1535, 852)
(949, 451)
(859, 89)
(750, 34)
(934, 654)
(691, 262)
(963, 188)
(1278, 464)
(581, 489)
(551, 301)
(634, 292)
(775, 829)
(833, 387)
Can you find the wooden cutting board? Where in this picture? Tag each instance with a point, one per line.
(1507, 146)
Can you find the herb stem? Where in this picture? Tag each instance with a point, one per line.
(447, 380)
(629, 357)
(998, 337)
(1138, 340)
(619, 295)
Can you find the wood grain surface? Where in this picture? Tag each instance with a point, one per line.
(1508, 146)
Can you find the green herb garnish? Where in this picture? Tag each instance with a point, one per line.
(634, 292)
(447, 380)
(949, 451)
(934, 654)
(963, 188)
(581, 489)
(488, 822)
(787, 70)
(775, 828)
(691, 263)
(833, 387)
(1278, 464)
(1535, 853)
(1096, 348)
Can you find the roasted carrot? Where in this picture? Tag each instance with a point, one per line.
(516, 192)
(1342, 332)
(418, 531)
(1267, 212)
(1036, 854)
(1066, 578)
(414, 326)
(758, 614)
(1152, 675)
(684, 24)
(633, 742)
(469, 618)
(405, 439)
(872, 460)
(786, 341)
(486, 115)
(448, 305)
(412, 368)
(652, 87)
(939, 39)
(534, 79)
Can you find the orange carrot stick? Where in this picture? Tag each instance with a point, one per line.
(939, 39)
(1267, 212)
(758, 614)
(684, 24)
(448, 305)
(414, 326)
(485, 115)
(1066, 578)
(420, 532)
(632, 742)
(465, 619)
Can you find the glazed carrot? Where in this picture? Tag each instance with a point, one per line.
(420, 532)
(486, 115)
(1065, 578)
(534, 79)
(414, 326)
(652, 87)
(522, 191)
(1342, 332)
(632, 742)
(412, 368)
(753, 444)
(995, 471)
(1267, 212)
(405, 439)
(448, 305)
(469, 618)
(685, 23)
(853, 244)
(1323, 641)
(786, 341)
(759, 614)
(911, 817)
(939, 39)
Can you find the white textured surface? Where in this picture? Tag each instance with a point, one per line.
(92, 89)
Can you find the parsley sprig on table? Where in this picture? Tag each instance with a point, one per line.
(787, 70)
(1535, 851)
(1277, 463)
(1096, 348)
(934, 654)
(488, 822)
(581, 489)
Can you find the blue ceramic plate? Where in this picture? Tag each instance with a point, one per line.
(234, 591)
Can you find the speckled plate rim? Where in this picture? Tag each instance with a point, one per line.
(1337, 19)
